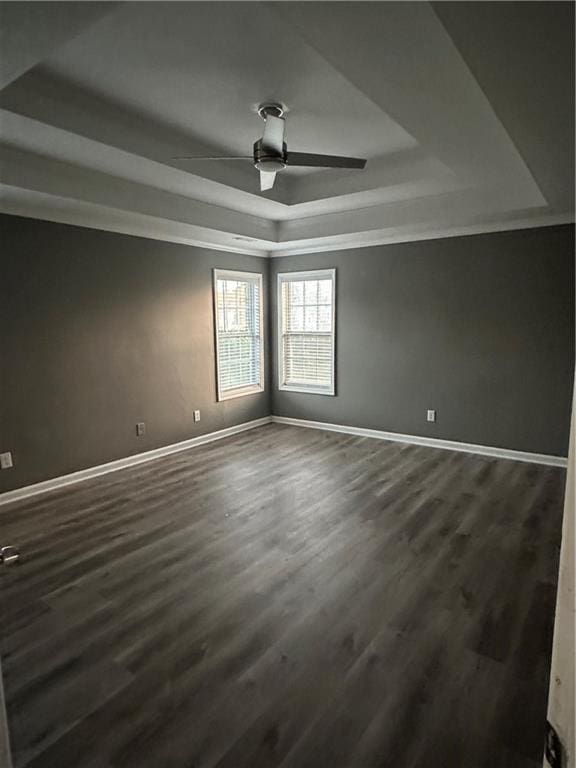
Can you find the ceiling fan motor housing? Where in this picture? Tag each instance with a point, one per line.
(267, 161)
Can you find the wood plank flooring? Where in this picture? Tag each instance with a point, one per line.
(286, 598)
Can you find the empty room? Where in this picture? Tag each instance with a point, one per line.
(286, 383)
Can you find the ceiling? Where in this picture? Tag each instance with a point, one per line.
(464, 110)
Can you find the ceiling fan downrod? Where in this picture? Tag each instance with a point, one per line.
(270, 151)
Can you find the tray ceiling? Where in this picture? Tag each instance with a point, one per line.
(464, 111)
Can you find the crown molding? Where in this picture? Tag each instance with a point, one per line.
(38, 205)
(385, 237)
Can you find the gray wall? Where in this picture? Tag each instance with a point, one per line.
(480, 328)
(99, 331)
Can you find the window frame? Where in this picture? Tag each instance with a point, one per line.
(309, 274)
(246, 276)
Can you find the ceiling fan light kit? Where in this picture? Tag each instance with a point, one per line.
(270, 153)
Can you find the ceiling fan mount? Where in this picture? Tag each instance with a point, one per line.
(270, 153)
(271, 109)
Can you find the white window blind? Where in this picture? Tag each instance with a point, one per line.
(306, 315)
(239, 342)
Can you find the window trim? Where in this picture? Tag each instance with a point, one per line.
(310, 274)
(231, 274)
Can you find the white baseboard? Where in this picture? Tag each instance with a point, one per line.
(184, 445)
(431, 442)
(129, 461)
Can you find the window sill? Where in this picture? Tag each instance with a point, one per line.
(244, 392)
(307, 390)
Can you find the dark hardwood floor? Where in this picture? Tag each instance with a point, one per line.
(286, 598)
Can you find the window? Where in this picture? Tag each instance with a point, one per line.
(239, 343)
(306, 307)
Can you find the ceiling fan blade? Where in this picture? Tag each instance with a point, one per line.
(273, 138)
(267, 180)
(324, 161)
(211, 157)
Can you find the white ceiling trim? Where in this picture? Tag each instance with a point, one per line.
(37, 205)
(370, 239)
(450, 209)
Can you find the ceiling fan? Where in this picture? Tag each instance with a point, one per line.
(271, 155)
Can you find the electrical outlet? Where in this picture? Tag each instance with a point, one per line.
(140, 428)
(431, 416)
(196, 415)
(6, 460)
